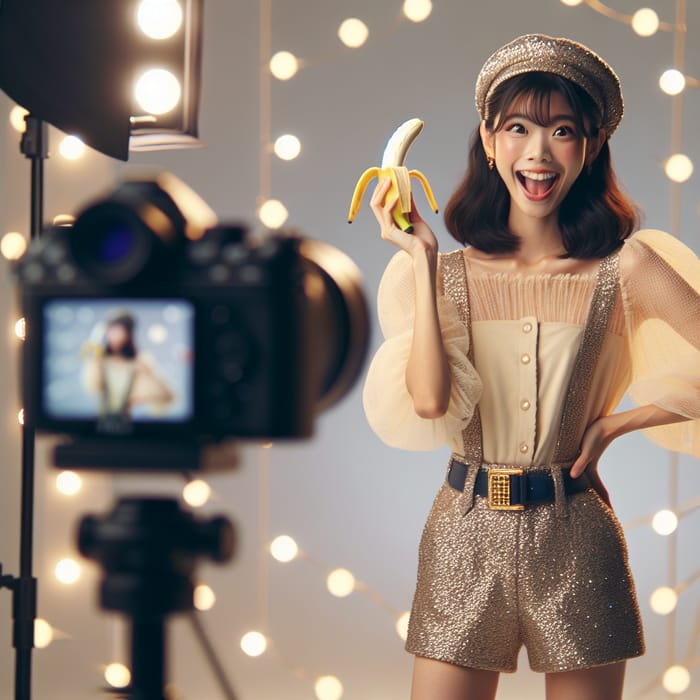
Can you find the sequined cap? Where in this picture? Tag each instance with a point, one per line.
(563, 57)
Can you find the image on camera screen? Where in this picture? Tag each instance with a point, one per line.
(129, 360)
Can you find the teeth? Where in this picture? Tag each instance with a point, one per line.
(537, 176)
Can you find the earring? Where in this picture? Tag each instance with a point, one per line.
(491, 162)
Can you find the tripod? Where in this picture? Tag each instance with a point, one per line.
(148, 549)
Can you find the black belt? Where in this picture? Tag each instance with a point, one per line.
(512, 488)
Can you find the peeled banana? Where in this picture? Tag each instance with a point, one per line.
(393, 167)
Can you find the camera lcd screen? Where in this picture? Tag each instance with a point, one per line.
(119, 360)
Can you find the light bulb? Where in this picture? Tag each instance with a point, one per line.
(663, 600)
(68, 483)
(71, 148)
(13, 245)
(43, 633)
(340, 583)
(67, 571)
(21, 328)
(417, 10)
(679, 167)
(676, 679)
(328, 688)
(284, 65)
(353, 32)
(117, 675)
(645, 22)
(159, 19)
(672, 82)
(571, 3)
(284, 548)
(17, 115)
(196, 493)
(63, 220)
(253, 643)
(157, 91)
(273, 213)
(20, 416)
(402, 625)
(287, 147)
(664, 522)
(204, 597)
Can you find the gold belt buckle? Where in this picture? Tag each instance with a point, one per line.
(499, 489)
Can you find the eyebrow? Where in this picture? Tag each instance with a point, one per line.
(555, 118)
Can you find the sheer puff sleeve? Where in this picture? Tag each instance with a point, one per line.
(660, 280)
(387, 402)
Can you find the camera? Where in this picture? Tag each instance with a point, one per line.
(151, 328)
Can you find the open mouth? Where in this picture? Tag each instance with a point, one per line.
(537, 185)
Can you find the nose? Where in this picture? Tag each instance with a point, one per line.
(538, 146)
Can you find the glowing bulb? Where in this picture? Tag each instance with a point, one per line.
(340, 583)
(157, 91)
(71, 148)
(13, 245)
(663, 600)
(328, 688)
(645, 22)
(43, 633)
(273, 213)
(571, 3)
(664, 522)
(417, 10)
(672, 82)
(63, 220)
(21, 328)
(402, 625)
(20, 416)
(284, 548)
(284, 65)
(68, 483)
(196, 493)
(159, 19)
(17, 115)
(67, 571)
(353, 32)
(287, 147)
(676, 679)
(253, 643)
(679, 167)
(117, 675)
(204, 597)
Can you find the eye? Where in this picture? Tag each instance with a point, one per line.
(566, 131)
(516, 128)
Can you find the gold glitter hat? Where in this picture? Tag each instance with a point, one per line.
(564, 57)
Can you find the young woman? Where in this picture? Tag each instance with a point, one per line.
(515, 351)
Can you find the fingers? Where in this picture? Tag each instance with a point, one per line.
(579, 466)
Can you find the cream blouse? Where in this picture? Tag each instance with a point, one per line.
(526, 331)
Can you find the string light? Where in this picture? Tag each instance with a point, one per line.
(645, 22)
(21, 328)
(71, 148)
(196, 493)
(340, 583)
(68, 483)
(676, 679)
(253, 643)
(287, 147)
(273, 213)
(157, 91)
(402, 625)
(353, 32)
(43, 633)
(117, 675)
(664, 522)
(679, 167)
(159, 19)
(284, 549)
(328, 688)
(571, 3)
(284, 65)
(13, 245)
(20, 416)
(672, 82)
(17, 115)
(663, 600)
(63, 220)
(417, 10)
(204, 597)
(67, 571)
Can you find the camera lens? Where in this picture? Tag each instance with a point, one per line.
(114, 245)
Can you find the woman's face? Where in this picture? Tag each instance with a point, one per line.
(117, 337)
(537, 163)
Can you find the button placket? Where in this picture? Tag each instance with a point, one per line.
(527, 390)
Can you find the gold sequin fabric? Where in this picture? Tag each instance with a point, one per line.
(491, 581)
(563, 57)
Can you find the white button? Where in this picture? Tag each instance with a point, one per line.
(527, 327)
(525, 405)
(523, 447)
(525, 359)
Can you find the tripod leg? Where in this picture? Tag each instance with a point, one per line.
(148, 659)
